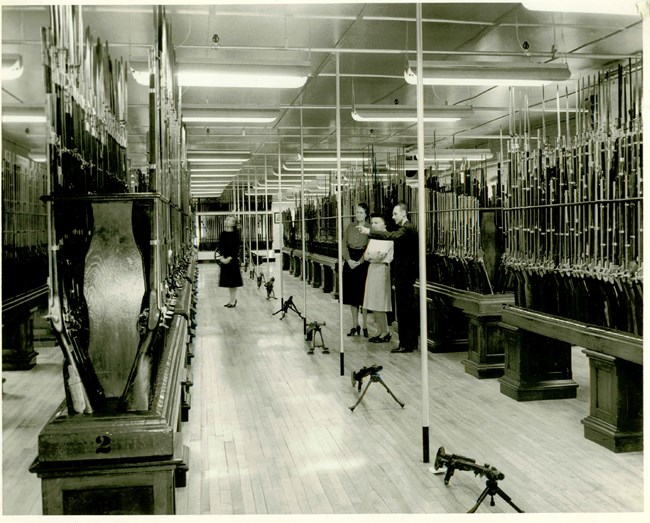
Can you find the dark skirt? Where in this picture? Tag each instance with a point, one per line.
(354, 280)
(230, 275)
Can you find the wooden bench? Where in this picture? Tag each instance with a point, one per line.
(459, 320)
(320, 270)
(538, 366)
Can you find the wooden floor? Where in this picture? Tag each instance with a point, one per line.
(270, 429)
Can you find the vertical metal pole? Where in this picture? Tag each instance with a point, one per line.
(644, 11)
(339, 221)
(281, 228)
(424, 354)
(302, 207)
(266, 218)
(235, 197)
(257, 232)
(250, 235)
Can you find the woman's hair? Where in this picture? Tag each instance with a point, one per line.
(365, 207)
(235, 221)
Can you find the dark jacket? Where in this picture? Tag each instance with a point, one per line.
(406, 258)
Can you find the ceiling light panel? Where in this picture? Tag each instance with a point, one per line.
(607, 7)
(216, 116)
(457, 154)
(23, 115)
(243, 76)
(216, 157)
(12, 66)
(487, 73)
(395, 113)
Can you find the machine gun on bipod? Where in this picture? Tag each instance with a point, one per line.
(314, 328)
(373, 372)
(287, 306)
(455, 462)
(270, 293)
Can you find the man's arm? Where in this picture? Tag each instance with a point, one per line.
(391, 235)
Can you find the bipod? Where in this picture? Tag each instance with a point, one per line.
(314, 328)
(491, 489)
(286, 307)
(373, 372)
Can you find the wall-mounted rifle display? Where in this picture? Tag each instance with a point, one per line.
(574, 206)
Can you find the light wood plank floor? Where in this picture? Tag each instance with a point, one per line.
(270, 431)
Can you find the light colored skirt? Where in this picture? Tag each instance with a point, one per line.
(377, 295)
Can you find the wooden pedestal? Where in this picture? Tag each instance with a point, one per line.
(461, 320)
(536, 367)
(43, 333)
(286, 261)
(112, 488)
(446, 325)
(317, 274)
(116, 462)
(18, 340)
(485, 356)
(615, 418)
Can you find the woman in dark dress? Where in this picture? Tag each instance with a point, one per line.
(229, 244)
(355, 269)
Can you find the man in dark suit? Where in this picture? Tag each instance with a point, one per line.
(405, 272)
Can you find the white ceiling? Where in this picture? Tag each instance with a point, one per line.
(372, 41)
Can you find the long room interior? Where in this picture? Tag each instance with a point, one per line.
(133, 135)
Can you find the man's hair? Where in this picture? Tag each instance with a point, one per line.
(402, 206)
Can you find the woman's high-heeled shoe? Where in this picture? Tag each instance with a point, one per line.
(354, 330)
(365, 332)
(380, 339)
(231, 305)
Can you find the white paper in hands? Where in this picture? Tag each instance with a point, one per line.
(379, 251)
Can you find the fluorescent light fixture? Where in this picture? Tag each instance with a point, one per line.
(609, 7)
(12, 66)
(458, 154)
(140, 75)
(295, 166)
(243, 76)
(218, 156)
(221, 169)
(216, 159)
(396, 113)
(297, 176)
(37, 156)
(23, 115)
(488, 73)
(207, 116)
(213, 176)
(330, 156)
